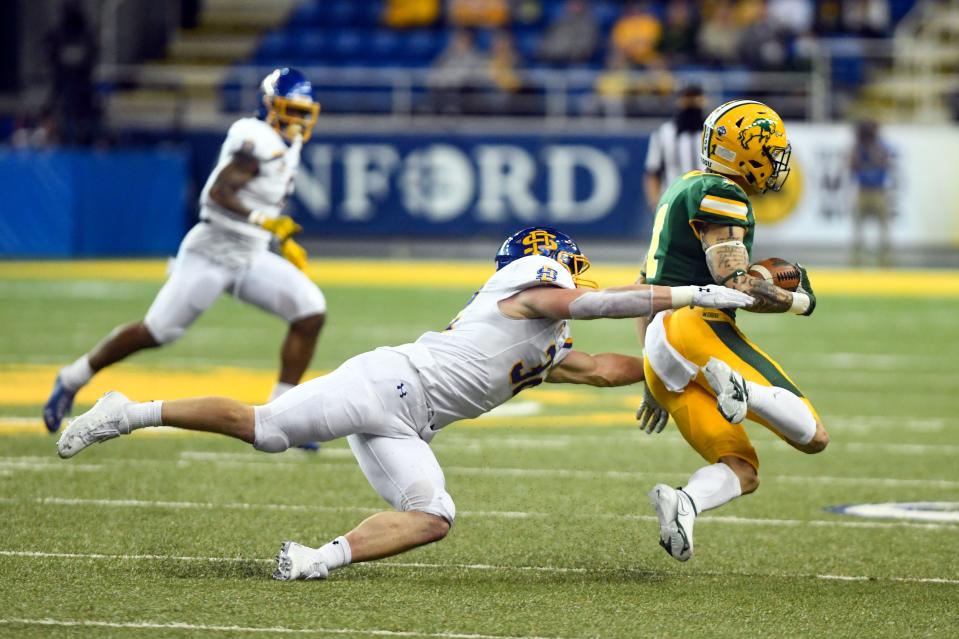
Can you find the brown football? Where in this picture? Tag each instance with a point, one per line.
(780, 272)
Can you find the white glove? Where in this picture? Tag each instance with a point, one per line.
(651, 416)
(715, 296)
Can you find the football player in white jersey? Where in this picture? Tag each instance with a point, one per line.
(389, 403)
(240, 214)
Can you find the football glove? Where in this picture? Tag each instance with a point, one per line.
(282, 226)
(714, 296)
(651, 416)
(806, 287)
(294, 252)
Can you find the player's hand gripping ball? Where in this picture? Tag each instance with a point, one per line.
(780, 272)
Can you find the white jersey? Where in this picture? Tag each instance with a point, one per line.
(267, 191)
(484, 357)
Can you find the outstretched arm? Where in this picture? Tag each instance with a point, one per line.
(637, 300)
(728, 262)
(604, 369)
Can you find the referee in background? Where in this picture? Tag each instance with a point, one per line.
(674, 148)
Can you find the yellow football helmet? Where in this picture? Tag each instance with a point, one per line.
(748, 139)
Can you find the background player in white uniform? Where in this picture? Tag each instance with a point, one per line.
(228, 250)
(390, 402)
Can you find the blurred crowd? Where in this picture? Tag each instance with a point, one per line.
(656, 37)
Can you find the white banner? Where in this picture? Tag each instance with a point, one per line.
(816, 205)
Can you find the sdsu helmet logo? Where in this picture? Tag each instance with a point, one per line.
(762, 128)
(540, 242)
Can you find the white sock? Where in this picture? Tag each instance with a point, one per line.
(279, 388)
(784, 411)
(76, 375)
(712, 486)
(144, 414)
(336, 553)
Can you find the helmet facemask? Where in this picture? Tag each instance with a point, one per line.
(291, 117)
(779, 161)
(576, 264)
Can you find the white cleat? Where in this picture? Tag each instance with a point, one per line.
(676, 515)
(296, 561)
(730, 389)
(104, 421)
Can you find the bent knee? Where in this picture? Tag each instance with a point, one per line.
(311, 324)
(748, 481)
(745, 472)
(435, 527)
(818, 442)
(267, 436)
(427, 498)
(151, 336)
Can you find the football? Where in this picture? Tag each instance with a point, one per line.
(778, 271)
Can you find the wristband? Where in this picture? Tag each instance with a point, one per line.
(732, 275)
(681, 295)
(256, 217)
(800, 303)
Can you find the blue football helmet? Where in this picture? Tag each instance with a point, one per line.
(288, 104)
(547, 241)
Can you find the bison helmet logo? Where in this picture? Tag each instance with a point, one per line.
(761, 128)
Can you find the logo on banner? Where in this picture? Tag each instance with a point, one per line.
(775, 206)
(441, 182)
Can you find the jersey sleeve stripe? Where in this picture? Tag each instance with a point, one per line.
(568, 343)
(725, 200)
(735, 216)
(712, 205)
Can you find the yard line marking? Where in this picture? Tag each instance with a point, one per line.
(42, 464)
(478, 567)
(100, 556)
(922, 580)
(714, 519)
(296, 461)
(182, 625)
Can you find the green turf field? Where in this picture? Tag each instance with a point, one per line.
(173, 535)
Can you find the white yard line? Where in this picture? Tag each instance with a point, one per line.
(477, 567)
(712, 519)
(297, 461)
(192, 627)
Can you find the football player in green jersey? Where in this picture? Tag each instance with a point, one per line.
(700, 368)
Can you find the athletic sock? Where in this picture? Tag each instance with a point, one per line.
(336, 553)
(784, 411)
(279, 388)
(712, 486)
(144, 414)
(76, 375)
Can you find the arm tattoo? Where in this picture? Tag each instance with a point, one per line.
(769, 297)
(728, 263)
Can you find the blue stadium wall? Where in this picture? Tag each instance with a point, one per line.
(88, 203)
(443, 185)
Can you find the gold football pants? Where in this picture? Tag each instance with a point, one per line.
(699, 334)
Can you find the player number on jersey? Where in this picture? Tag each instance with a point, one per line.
(652, 263)
(521, 379)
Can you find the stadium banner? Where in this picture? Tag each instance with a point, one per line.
(91, 203)
(454, 184)
(816, 206)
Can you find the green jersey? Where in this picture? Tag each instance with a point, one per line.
(676, 256)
